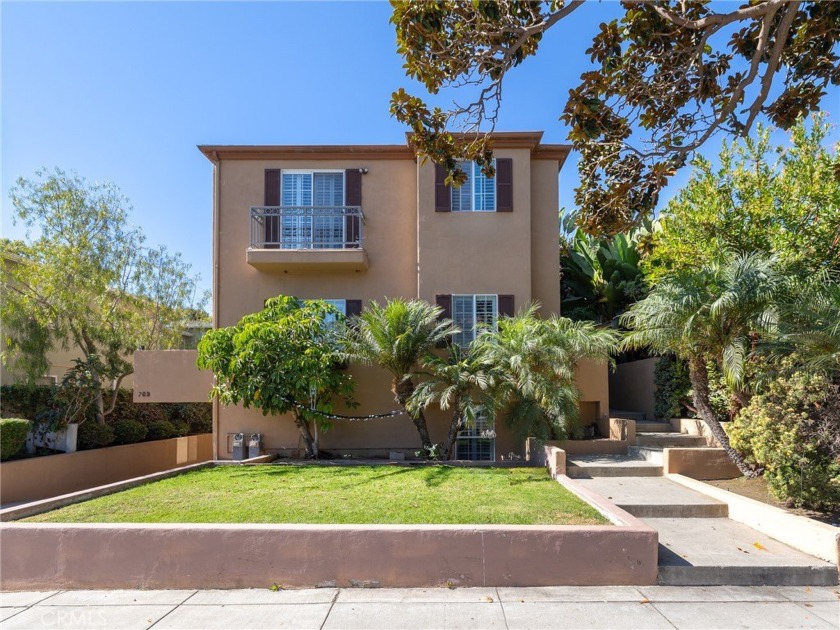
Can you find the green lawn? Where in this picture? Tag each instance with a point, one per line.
(340, 494)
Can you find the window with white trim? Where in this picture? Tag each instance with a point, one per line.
(478, 193)
(301, 229)
(469, 312)
(478, 442)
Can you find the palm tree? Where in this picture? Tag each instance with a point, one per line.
(810, 324)
(534, 362)
(397, 336)
(460, 382)
(716, 313)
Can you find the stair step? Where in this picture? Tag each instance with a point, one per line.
(638, 416)
(655, 497)
(588, 466)
(654, 427)
(652, 454)
(663, 440)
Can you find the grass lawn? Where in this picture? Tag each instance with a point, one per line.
(340, 494)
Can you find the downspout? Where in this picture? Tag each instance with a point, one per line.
(217, 183)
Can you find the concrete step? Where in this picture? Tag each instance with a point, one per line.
(652, 454)
(663, 440)
(638, 416)
(649, 426)
(719, 551)
(655, 497)
(588, 466)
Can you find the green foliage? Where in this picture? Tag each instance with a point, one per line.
(13, 432)
(162, 430)
(197, 416)
(601, 277)
(87, 282)
(773, 201)
(534, 363)
(94, 435)
(673, 387)
(776, 431)
(25, 401)
(129, 431)
(283, 359)
(665, 78)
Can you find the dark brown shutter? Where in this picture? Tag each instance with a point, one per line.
(506, 308)
(445, 304)
(352, 308)
(443, 193)
(272, 198)
(504, 185)
(353, 197)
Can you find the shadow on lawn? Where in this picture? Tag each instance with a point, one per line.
(345, 476)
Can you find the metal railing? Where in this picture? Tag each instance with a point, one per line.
(306, 227)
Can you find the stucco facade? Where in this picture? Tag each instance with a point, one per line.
(409, 249)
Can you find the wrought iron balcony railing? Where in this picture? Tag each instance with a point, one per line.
(306, 227)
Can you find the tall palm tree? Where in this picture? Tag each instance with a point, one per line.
(460, 382)
(716, 313)
(397, 336)
(810, 324)
(534, 362)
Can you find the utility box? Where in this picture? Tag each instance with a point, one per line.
(255, 445)
(239, 452)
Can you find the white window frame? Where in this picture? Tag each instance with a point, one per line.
(471, 177)
(312, 171)
(475, 297)
(486, 433)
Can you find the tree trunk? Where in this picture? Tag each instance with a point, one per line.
(306, 434)
(699, 376)
(403, 389)
(99, 401)
(454, 426)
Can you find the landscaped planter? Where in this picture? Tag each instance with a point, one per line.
(63, 440)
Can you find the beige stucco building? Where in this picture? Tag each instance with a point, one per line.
(358, 223)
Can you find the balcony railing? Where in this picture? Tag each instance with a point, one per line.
(306, 227)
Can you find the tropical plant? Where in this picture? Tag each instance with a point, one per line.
(534, 363)
(460, 382)
(398, 336)
(715, 313)
(283, 359)
(666, 78)
(810, 324)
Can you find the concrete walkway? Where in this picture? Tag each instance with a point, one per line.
(392, 609)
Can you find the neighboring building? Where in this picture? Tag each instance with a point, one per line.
(352, 224)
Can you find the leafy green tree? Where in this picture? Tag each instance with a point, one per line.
(87, 282)
(782, 201)
(460, 382)
(715, 313)
(534, 363)
(285, 359)
(398, 337)
(667, 76)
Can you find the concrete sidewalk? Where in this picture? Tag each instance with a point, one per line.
(392, 609)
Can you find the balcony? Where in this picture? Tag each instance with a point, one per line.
(307, 238)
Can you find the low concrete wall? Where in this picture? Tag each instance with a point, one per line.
(170, 376)
(632, 387)
(53, 475)
(695, 426)
(699, 463)
(818, 539)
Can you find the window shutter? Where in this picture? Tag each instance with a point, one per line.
(353, 197)
(504, 185)
(506, 308)
(445, 303)
(443, 193)
(352, 308)
(272, 198)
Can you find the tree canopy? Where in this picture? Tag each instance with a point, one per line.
(87, 281)
(665, 78)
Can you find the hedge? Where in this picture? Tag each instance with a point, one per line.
(13, 432)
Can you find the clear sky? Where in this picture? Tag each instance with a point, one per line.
(125, 91)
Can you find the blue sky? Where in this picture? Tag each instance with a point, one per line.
(125, 91)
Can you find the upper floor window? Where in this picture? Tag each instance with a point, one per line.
(303, 228)
(469, 312)
(478, 193)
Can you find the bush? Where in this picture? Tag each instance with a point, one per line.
(13, 432)
(129, 432)
(94, 435)
(790, 430)
(673, 387)
(162, 430)
(25, 401)
(197, 416)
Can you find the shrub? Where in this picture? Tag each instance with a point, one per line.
(198, 416)
(25, 401)
(673, 387)
(162, 430)
(790, 430)
(129, 432)
(13, 432)
(94, 435)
